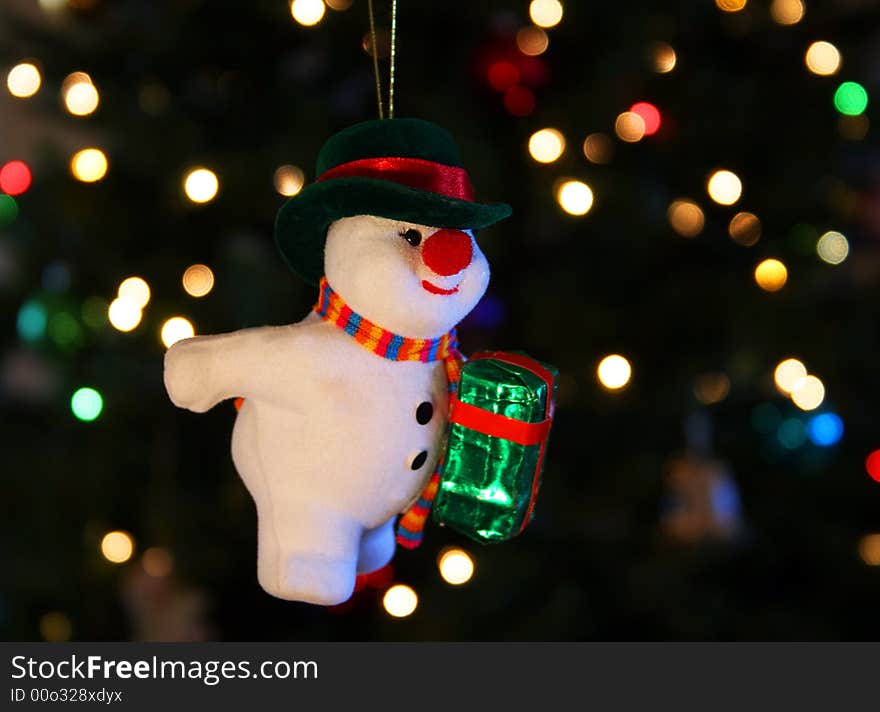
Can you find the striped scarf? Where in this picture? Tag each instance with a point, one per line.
(331, 307)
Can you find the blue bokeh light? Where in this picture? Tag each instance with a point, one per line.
(825, 429)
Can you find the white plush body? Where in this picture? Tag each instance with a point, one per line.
(328, 432)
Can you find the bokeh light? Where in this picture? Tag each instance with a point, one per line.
(519, 101)
(791, 433)
(787, 374)
(787, 12)
(614, 372)
(710, 388)
(117, 546)
(853, 128)
(8, 210)
(575, 197)
(686, 217)
(832, 247)
(23, 80)
(89, 165)
(724, 187)
(808, 393)
(869, 549)
(745, 229)
(825, 429)
(288, 180)
(31, 321)
(503, 75)
(123, 315)
(650, 115)
(545, 13)
(456, 566)
(338, 5)
(15, 177)
(598, 148)
(629, 127)
(546, 145)
(86, 404)
(135, 290)
(175, 329)
(157, 561)
(94, 312)
(55, 627)
(872, 465)
(307, 13)
(851, 98)
(822, 58)
(663, 57)
(201, 185)
(198, 280)
(730, 5)
(400, 601)
(771, 275)
(80, 95)
(532, 41)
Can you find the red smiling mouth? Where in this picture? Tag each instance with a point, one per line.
(434, 289)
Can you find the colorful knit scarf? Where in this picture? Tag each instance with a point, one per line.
(331, 307)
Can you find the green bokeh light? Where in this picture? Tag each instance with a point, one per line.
(851, 98)
(86, 404)
(94, 312)
(31, 321)
(64, 329)
(8, 210)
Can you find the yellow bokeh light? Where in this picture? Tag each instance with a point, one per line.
(575, 197)
(55, 627)
(832, 247)
(598, 148)
(81, 97)
(686, 217)
(117, 546)
(614, 372)
(201, 185)
(307, 12)
(23, 80)
(288, 180)
(157, 561)
(456, 566)
(731, 5)
(771, 275)
(198, 280)
(629, 127)
(869, 549)
(787, 374)
(135, 290)
(123, 315)
(545, 13)
(808, 393)
(724, 187)
(532, 41)
(546, 145)
(710, 388)
(176, 329)
(400, 601)
(663, 57)
(822, 58)
(787, 12)
(745, 229)
(89, 165)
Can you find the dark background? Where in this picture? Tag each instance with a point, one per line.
(660, 517)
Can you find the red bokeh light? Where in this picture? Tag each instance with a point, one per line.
(650, 115)
(15, 178)
(872, 465)
(503, 75)
(519, 101)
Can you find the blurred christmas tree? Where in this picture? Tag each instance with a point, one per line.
(620, 245)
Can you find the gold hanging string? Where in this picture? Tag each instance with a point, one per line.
(393, 52)
(375, 52)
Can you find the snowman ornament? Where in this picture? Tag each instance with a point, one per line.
(344, 412)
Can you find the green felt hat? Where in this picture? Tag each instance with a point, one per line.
(402, 169)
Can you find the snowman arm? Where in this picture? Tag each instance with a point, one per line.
(202, 371)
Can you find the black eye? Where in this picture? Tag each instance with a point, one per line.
(412, 236)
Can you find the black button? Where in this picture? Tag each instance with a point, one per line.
(424, 413)
(419, 460)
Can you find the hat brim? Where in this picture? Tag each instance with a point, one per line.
(302, 222)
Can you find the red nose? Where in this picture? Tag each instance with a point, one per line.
(447, 252)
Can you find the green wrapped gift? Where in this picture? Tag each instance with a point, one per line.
(499, 422)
